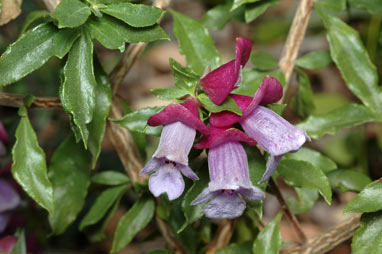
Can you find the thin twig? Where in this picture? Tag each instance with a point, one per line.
(13, 100)
(171, 240)
(51, 4)
(296, 225)
(222, 236)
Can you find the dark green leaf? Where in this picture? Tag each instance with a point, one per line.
(250, 82)
(69, 172)
(303, 174)
(238, 3)
(263, 61)
(195, 43)
(217, 17)
(169, 93)
(269, 241)
(347, 116)
(348, 180)
(237, 248)
(185, 78)
(78, 91)
(20, 246)
(64, 41)
(306, 200)
(136, 15)
(29, 165)
(27, 54)
(368, 200)
(314, 60)
(252, 11)
(352, 60)
(32, 17)
(71, 13)
(229, 104)
(137, 121)
(277, 108)
(110, 178)
(334, 5)
(161, 251)
(372, 6)
(303, 100)
(368, 237)
(132, 222)
(102, 204)
(317, 159)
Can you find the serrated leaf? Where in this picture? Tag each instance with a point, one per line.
(303, 174)
(137, 121)
(238, 3)
(263, 61)
(269, 241)
(314, 60)
(351, 58)
(229, 104)
(64, 41)
(78, 91)
(347, 116)
(237, 248)
(29, 164)
(368, 237)
(303, 100)
(32, 17)
(69, 171)
(372, 6)
(71, 13)
(348, 180)
(185, 78)
(133, 222)
(306, 200)
(136, 15)
(20, 246)
(316, 158)
(252, 11)
(102, 204)
(368, 200)
(195, 43)
(27, 54)
(169, 93)
(110, 178)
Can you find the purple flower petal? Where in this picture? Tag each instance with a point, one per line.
(176, 142)
(225, 206)
(252, 194)
(3, 134)
(167, 180)
(4, 219)
(187, 171)
(151, 166)
(7, 243)
(9, 198)
(203, 197)
(272, 164)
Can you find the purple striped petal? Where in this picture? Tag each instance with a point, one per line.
(203, 197)
(4, 218)
(252, 194)
(9, 198)
(272, 165)
(151, 166)
(225, 206)
(187, 171)
(167, 180)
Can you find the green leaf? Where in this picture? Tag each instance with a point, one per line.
(69, 172)
(334, 5)
(32, 17)
(263, 61)
(137, 121)
(132, 222)
(71, 13)
(102, 204)
(27, 54)
(136, 15)
(277, 108)
(229, 104)
(269, 240)
(368, 200)
(113, 34)
(303, 174)
(161, 251)
(326, 102)
(29, 165)
(252, 11)
(314, 60)
(110, 178)
(250, 82)
(217, 17)
(97, 126)
(347, 116)
(185, 77)
(316, 158)
(64, 41)
(306, 200)
(238, 3)
(303, 100)
(352, 60)
(20, 246)
(195, 43)
(169, 93)
(78, 91)
(368, 237)
(348, 180)
(237, 248)
(372, 6)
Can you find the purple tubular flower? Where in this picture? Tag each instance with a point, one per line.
(171, 157)
(228, 169)
(9, 200)
(221, 81)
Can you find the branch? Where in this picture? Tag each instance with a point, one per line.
(222, 236)
(51, 4)
(12, 100)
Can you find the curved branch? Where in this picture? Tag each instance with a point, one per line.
(13, 100)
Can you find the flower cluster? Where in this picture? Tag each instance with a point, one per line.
(227, 160)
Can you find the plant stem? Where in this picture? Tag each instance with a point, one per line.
(13, 100)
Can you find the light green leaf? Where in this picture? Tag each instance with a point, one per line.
(334, 5)
(372, 6)
(169, 93)
(69, 172)
(136, 15)
(269, 241)
(314, 60)
(263, 60)
(229, 104)
(238, 3)
(78, 91)
(277, 108)
(348, 180)
(347, 116)
(64, 41)
(133, 222)
(137, 121)
(29, 165)
(303, 100)
(306, 200)
(27, 54)
(303, 174)
(237, 248)
(368, 237)
(71, 13)
(20, 246)
(102, 204)
(252, 11)
(250, 82)
(185, 77)
(195, 43)
(327, 101)
(368, 200)
(110, 178)
(32, 17)
(217, 17)
(352, 60)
